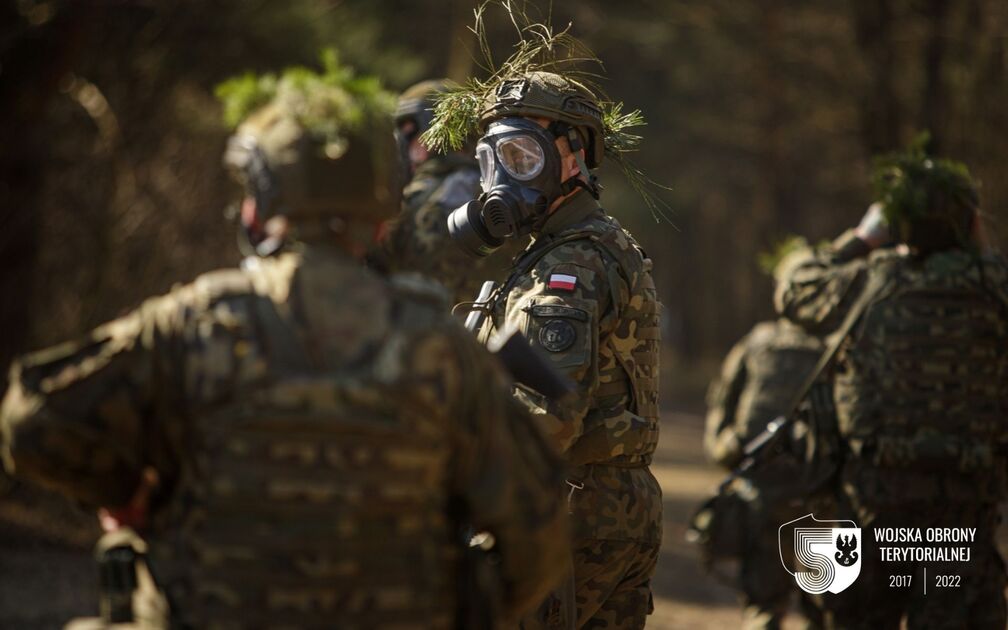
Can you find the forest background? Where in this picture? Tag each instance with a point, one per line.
(762, 118)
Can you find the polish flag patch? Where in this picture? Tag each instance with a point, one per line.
(562, 281)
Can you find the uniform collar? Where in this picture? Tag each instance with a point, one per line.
(571, 212)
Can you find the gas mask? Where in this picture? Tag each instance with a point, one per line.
(248, 163)
(520, 170)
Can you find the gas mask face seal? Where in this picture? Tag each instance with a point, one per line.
(245, 158)
(520, 170)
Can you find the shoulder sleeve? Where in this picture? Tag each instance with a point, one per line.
(506, 474)
(563, 307)
(75, 416)
(815, 291)
(86, 417)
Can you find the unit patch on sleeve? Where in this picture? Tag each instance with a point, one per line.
(557, 335)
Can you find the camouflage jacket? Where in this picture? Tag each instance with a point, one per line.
(311, 423)
(918, 385)
(758, 380)
(417, 240)
(582, 292)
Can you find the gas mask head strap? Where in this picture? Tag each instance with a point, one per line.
(560, 129)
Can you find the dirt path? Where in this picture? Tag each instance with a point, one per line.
(686, 597)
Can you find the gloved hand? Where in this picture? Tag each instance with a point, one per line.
(873, 229)
(135, 513)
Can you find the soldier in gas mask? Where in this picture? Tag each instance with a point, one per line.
(299, 440)
(439, 181)
(582, 293)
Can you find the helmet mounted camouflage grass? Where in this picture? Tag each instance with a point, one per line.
(417, 103)
(929, 203)
(313, 145)
(541, 78)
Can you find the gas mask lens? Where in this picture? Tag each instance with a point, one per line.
(521, 157)
(484, 155)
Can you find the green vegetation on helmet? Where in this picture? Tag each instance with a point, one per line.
(327, 103)
(311, 144)
(417, 102)
(929, 203)
(541, 78)
(771, 259)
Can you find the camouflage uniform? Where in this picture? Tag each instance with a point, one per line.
(321, 435)
(603, 332)
(758, 380)
(417, 239)
(920, 395)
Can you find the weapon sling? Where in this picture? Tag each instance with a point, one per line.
(775, 429)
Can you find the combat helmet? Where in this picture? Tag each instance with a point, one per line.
(929, 203)
(552, 96)
(417, 103)
(313, 147)
(292, 172)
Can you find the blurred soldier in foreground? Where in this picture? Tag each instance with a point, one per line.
(300, 440)
(417, 239)
(582, 293)
(759, 379)
(919, 389)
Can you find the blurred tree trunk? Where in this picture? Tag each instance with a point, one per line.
(935, 98)
(28, 83)
(463, 44)
(880, 110)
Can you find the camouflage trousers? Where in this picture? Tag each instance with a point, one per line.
(612, 586)
(873, 602)
(767, 590)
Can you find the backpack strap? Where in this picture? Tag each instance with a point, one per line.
(876, 283)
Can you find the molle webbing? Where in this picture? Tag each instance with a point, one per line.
(927, 376)
(312, 501)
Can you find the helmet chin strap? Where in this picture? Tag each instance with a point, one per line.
(562, 129)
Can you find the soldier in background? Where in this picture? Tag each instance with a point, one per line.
(919, 388)
(299, 440)
(417, 239)
(758, 381)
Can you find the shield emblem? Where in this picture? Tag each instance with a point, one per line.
(827, 554)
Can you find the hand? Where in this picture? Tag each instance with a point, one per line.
(873, 229)
(135, 513)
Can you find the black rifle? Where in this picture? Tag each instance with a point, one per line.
(779, 426)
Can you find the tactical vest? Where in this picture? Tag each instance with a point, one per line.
(920, 382)
(315, 498)
(631, 437)
(779, 357)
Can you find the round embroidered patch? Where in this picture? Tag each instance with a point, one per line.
(557, 335)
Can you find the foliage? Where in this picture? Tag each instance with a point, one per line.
(539, 48)
(913, 186)
(327, 103)
(769, 259)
